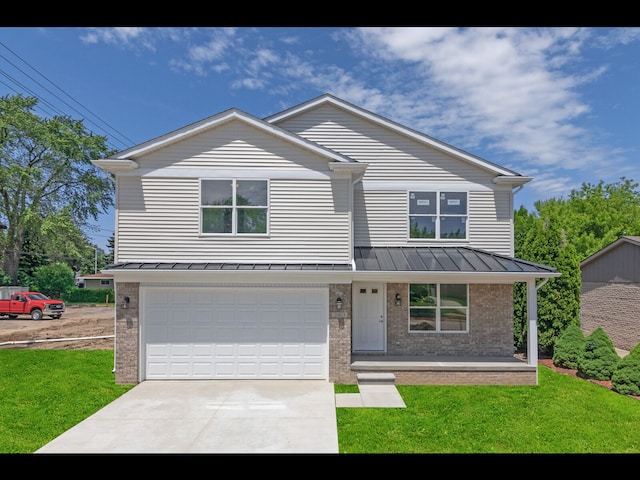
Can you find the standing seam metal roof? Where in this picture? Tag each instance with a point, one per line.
(372, 259)
(440, 259)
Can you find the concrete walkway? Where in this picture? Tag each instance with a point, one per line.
(372, 396)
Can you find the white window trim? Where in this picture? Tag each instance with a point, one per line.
(438, 216)
(234, 226)
(437, 308)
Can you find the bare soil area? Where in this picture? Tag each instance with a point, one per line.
(79, 328)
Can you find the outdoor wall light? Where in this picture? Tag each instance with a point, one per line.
(125, 302)
(398, 299)
(339, 302)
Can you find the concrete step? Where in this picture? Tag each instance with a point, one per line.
(376, 378)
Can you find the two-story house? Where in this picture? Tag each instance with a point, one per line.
(317, 243)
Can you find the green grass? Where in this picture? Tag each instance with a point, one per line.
(46, 392)
(562, 414)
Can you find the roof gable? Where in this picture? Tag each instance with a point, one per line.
(125, 159)
(631, 240)
(504, 175)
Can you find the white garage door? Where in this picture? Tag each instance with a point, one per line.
(235, 333)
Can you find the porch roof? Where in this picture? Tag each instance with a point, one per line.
(441, 259)
(232, 266)
(371, 259)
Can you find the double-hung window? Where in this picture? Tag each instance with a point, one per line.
(438, 215)
(438, 307)
(234, 207)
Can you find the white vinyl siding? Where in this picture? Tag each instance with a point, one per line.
(389, 155)
(381, 219)
(158, 221)
(234, 145)
(397, 164)
(491, 221)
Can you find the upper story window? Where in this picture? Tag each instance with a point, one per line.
(438, 215)
(235, 207)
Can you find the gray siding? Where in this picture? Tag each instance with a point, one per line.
(619, 265)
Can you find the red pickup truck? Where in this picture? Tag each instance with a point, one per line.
(35, 304)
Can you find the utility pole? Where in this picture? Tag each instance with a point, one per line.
(95, 262)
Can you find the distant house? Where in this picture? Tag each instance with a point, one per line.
(611, 292)
(96, 281)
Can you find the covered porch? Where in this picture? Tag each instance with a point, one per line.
(447, 370)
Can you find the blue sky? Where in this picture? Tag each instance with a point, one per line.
(560, 104)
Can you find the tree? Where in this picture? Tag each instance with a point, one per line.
(53, 280)
(559, 300)
(111, 244)
(45, 167)
(626, 376)
(597, 214)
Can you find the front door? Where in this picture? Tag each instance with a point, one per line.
(368, 317)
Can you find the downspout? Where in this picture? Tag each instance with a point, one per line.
(532, 315)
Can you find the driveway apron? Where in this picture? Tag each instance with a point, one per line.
(210, 416)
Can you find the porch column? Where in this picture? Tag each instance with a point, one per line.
(532, 329)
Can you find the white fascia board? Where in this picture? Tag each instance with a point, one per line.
(513, 180)
(115, 165)
(234, 276)
(353, 170)
(319, 277)
(450, 277)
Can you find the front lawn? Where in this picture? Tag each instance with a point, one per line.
(46, 392)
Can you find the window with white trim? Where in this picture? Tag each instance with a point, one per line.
(234, 207)
(438, 215)
(438, 307)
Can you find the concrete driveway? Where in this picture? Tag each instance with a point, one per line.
(210, 416)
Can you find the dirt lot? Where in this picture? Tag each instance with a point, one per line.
(82, 323)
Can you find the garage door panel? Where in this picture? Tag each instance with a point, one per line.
(235, 333)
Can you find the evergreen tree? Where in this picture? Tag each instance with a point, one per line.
(559, 300)
(599, 358)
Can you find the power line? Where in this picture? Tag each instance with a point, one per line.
(117, 133)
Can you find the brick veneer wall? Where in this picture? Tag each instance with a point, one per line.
(127, 333)
(615, 307)
(340, 335)
(490, 325)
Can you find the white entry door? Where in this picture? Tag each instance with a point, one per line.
(368, 317)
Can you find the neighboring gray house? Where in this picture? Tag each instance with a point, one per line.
(96, 281)
(610, 295)
(317, 243)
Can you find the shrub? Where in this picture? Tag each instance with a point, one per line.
(88, 295)
(598, 358)
(568, 348)
(626, 377)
